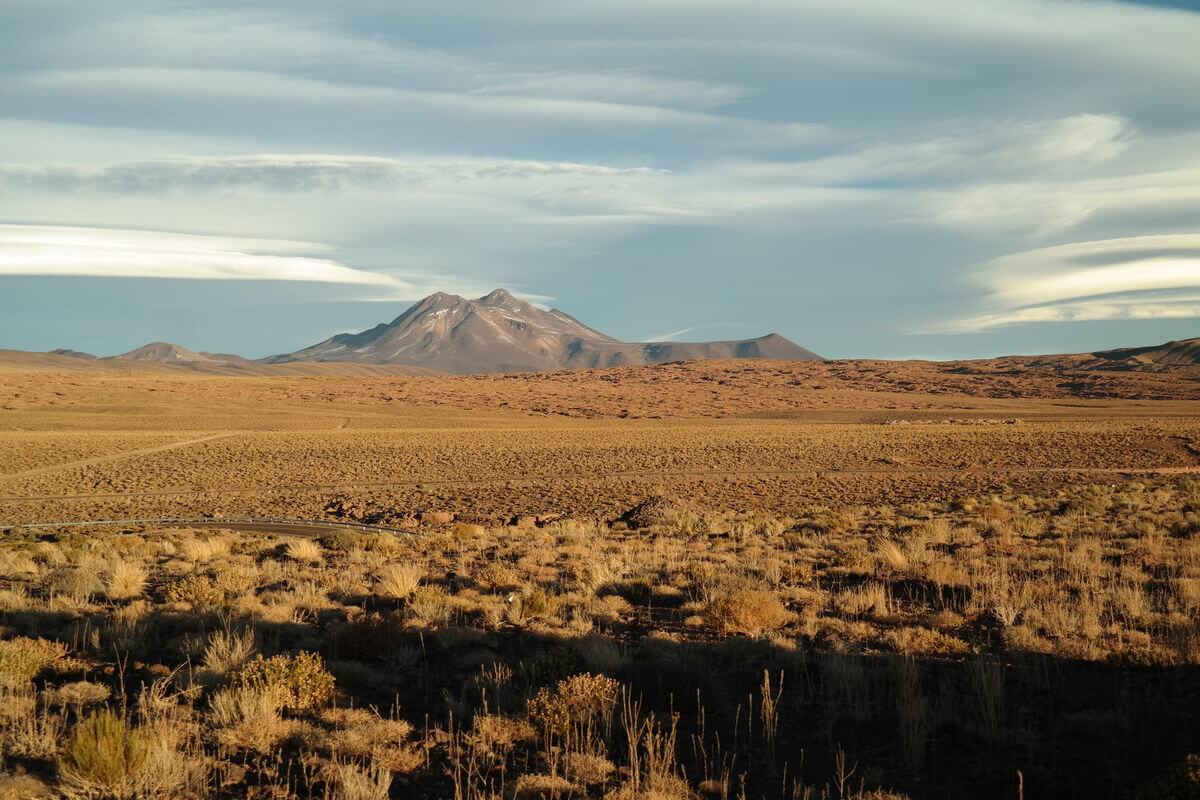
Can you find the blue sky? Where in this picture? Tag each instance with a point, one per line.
(946, 178)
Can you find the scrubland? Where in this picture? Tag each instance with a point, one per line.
(858, 651)
(863, 593)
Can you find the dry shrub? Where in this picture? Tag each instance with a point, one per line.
(105, 757)
(550, 787)
(17, 565)
(23, 658)
(995, 512)
(235, 579)
(536, 604)
(915, 640)
(497, 577)
(80, 584)
(751, 612)
(298, 682)
(205, 549)
(498, 734)
(364, 734)
(353, 782)
(869, 598)
(587, 769)
(892, 555)
(600, 654)
(124, 580)
(398, 581)
(197, 591)
(35, 736)
(226, 651)
(576, 712)
(306, 551)
(78, 694)
(430, 607)
(247, 719)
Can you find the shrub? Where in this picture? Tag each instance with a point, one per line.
(124, 580)
(104, 756)
(247, 719)
(296, 682)
(205, 549)
(78, 694)
(576, 711)
(891, 554)
(22, 658)
(364, 734)
(747, 611)
(226, 651)
(915, 640)
(196, 591)
(305, 550)
(587, 769)
(398, 580)
(352, 782)
(430, 607)
(537, 604)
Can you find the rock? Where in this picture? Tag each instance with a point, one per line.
(437, 517)
(653, 511)
(524, 521)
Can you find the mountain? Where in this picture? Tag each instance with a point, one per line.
(1174, 354)
(66, 351)
(501, 333)
(167, 353)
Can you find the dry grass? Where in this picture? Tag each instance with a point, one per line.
(398, 581)
(915, 608)
(124, 580)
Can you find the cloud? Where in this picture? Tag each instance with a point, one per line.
(297, 172)
(667, 337)
(1140, 277)
(954, 152)
(105, 252)
(259, 95)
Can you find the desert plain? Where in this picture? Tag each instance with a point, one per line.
(699, 579)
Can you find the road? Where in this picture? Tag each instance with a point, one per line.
(289, 527)
(87, 462)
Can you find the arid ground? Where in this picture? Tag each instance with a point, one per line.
(717, 579)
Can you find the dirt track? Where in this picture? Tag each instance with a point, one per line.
(88, 462)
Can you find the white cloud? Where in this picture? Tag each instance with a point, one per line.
(1141, 277)
(106, 252)
(261, 90)
(300, 172)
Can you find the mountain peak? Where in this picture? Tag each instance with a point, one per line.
(502, 333)
(169, 353)
(496, 296)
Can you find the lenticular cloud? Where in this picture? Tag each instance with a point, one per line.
(107, 252)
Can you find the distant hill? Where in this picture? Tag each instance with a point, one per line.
(63, 351)
(501, 333)
(1179, 353)
(167, 353)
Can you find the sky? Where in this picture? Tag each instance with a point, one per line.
(932, 179)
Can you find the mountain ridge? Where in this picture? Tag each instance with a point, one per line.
(502, 333)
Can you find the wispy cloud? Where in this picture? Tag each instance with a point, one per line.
(1142, 277)
(107, 252)
(670, 336)
(299, 172)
